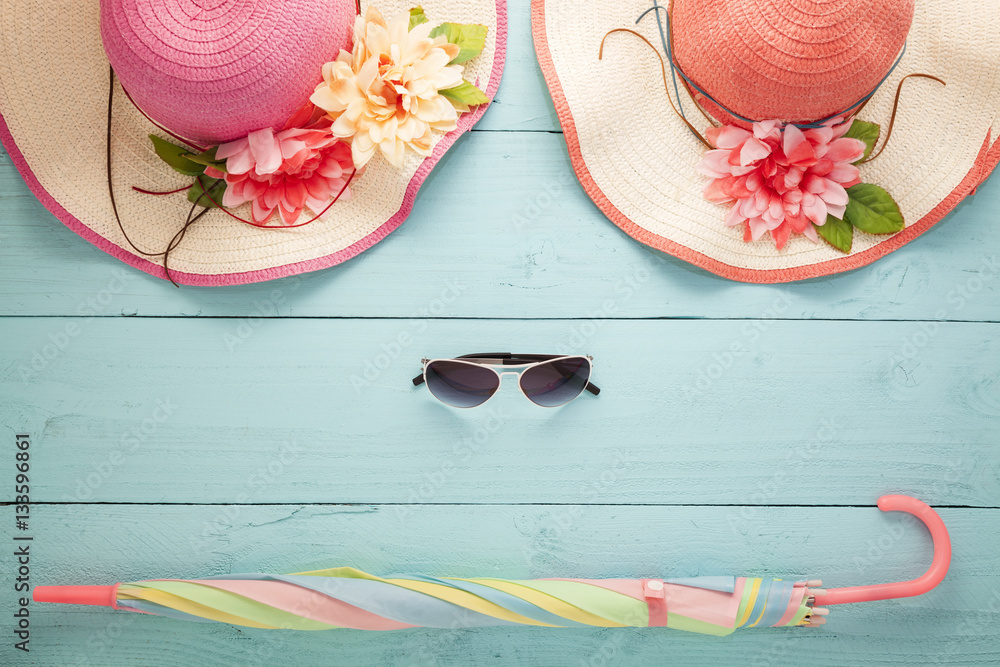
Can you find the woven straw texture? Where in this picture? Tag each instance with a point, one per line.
(216, 70)
(793, 61)
(637, 160)
(53, 103)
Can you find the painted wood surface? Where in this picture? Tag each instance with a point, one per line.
(841, 545)
(532, 245)
(742, 429)
(697, 411)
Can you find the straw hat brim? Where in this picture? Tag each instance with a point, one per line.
(53, 117)
(636, 159)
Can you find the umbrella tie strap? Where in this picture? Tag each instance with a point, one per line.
(656, 600)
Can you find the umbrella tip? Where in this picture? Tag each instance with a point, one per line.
(100, 596)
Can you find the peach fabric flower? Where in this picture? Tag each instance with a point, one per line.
(384, 96)
(779, 178)
(295, 169)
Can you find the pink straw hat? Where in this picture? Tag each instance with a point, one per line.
(237, 141)
(795, 61)
(775, 140)
(230, 67)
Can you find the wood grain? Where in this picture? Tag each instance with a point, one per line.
(952, 625)
(833, 411)
(741, 428)
(531, 245)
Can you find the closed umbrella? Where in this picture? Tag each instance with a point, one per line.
(344, 597)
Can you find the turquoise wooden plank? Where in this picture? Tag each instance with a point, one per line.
(529, 253)
(522, 102)
(957, 623)
(212, 410)
(298, 411)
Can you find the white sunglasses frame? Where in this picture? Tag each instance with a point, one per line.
(482, 361)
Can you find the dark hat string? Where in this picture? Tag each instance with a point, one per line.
(191, 218)
(206, 192)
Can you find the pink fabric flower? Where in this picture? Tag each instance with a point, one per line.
(779, 178)
(295, 169)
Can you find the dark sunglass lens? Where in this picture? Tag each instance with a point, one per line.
(556, 382)
(460, 384)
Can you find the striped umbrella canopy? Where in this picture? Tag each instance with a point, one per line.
(348, 598)
(344, 597)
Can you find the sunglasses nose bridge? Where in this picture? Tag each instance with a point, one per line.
(503, 374)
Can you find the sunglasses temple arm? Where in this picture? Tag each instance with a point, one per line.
(419, 380)
(487, 355)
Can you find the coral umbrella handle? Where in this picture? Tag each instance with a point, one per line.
(903, 589)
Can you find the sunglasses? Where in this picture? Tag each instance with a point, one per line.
(548, 380)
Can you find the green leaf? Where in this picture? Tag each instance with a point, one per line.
(215, 188)
(866, 132)
(838, 233)
(175, 156)
(871, 209)
(416, 17)
(466, 94)
(469, 37)
(208, 159)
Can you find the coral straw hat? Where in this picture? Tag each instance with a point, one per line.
(775, 140)
(287, 135)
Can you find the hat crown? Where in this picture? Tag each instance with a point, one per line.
(216, 70)
(790, 60)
